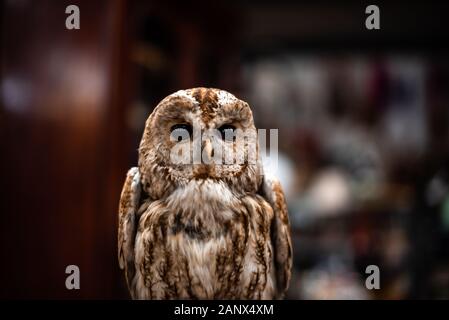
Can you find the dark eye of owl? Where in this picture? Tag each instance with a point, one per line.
(227, 132)
(181, 132)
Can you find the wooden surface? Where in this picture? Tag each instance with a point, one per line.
(62, 140)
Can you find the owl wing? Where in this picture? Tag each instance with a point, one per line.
(280, 235)
(127, 225)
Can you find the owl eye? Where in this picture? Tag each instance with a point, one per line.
(227, 132)
(181, 132)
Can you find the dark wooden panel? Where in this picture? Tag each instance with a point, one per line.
(62, 148)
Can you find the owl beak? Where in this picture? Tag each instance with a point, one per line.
(205, 170)
(208, 151)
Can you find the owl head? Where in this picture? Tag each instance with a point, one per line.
(199, 134)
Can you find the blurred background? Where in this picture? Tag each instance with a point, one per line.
(362, 118)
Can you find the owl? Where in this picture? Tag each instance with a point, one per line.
(192, 226)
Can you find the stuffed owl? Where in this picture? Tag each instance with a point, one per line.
(192, 226)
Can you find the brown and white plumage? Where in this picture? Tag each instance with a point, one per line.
(202, 231)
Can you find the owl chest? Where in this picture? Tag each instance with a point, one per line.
(205, 254)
